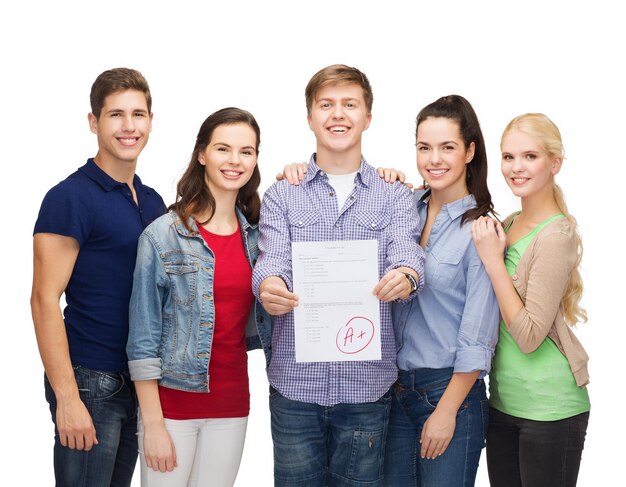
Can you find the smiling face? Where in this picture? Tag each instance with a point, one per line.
(229, 159)
(527, 168)
(442, 158)
(123, 128)
(338, 117)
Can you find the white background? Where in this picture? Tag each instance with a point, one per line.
(562, 58)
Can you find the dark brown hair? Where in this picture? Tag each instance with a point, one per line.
(338, 74)
(114, 81)
(193, 196)
(457, 108)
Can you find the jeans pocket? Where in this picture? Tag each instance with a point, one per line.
(95, 385)
(433, 396)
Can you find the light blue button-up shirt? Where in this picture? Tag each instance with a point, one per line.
(454, 321)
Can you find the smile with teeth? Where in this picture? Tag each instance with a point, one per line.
(230, 173)
(519, 180)
(338, 129)
(437, 172)
(128, 140)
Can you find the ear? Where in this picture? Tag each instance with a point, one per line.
(556, 165)
(93, 122)
(308, 118)
(368, 121)
(469, 156)
(150, 122)
(201, 159)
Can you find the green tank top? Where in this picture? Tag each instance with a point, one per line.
(538, 385)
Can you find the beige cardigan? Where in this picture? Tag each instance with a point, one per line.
(540, 279)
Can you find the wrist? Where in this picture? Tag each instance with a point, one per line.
(412, 282)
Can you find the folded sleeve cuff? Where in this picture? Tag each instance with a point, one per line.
(145, 369)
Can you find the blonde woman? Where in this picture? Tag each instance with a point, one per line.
(539, 402)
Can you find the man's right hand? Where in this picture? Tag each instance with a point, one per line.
(76, 429)
(275, 297)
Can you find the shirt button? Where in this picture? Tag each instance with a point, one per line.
(300, 222)
(336, 225)
(373, 225)
(331, 194)
(514, 277)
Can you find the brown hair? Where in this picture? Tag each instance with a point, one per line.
(459, 110)
(193, 196)
(114, 81)
(547, 134)
(338, 74)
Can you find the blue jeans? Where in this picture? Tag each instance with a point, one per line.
(416, 394)
(523, 452)
(341, 445)
(110, 399)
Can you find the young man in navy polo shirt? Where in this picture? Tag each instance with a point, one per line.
(85, 244)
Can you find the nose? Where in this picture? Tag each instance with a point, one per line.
(435, 156)
(128, 123)
(517, 165)
(338, 111)
(234, 158)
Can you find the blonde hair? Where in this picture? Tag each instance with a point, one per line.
(540, 127)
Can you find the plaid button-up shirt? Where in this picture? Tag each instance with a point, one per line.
(309, 212)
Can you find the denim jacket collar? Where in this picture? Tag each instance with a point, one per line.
(183, 232)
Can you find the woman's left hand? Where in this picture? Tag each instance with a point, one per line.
(391, 175)
(437, 433)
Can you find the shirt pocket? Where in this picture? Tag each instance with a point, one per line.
(443, 269)
(372, 224)
(183, 276)
(304, 225)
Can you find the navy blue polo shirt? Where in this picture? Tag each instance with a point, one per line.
(102, 216)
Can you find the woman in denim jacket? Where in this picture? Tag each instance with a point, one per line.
(192, 312)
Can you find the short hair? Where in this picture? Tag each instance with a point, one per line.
(114, 81)
(338, 74)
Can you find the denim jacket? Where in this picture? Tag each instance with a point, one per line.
(171, 307)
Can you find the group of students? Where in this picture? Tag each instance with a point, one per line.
(149, 354)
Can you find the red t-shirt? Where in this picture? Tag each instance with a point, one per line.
(229, 395)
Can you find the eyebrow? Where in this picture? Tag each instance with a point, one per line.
(445, 142)
(121, 110)
(230, 147)
(348, 98)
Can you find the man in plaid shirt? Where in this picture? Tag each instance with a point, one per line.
(329, 419)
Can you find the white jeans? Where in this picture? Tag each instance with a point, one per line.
(208, 453)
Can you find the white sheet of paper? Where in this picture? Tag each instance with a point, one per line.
(338, 318)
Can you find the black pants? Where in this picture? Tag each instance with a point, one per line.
(526, 453)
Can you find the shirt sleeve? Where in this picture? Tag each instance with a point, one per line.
(274, 241)
(145, 312)
(478, 331)
(403, 249)
(549, 271)
(66, 210)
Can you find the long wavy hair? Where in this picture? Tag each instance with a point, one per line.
(458, 109)
(193, 196)
(547, 134)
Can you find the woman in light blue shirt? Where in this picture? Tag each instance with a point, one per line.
(446, 336)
